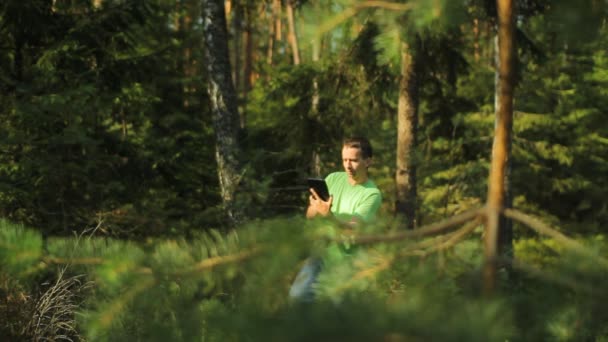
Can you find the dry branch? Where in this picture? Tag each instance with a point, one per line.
(72, 261)
(219, 260)
(446, 242)
(428, 230)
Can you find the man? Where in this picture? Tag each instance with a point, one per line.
(354, 199)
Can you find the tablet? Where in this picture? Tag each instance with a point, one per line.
(320, 187)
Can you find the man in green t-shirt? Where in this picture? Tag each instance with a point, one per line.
(354, 198)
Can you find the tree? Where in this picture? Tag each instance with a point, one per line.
(223, 103)
(293, 37)
(407, 129)
(502, 138)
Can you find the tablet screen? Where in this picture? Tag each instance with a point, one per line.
(320, 187)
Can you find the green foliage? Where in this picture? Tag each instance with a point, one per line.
(20, 249)
(586, 17)
(106, 147)
(95, 130)
(559, 133)
(234, 286)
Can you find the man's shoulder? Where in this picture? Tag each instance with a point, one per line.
(337, 174)
(371, 186)
(334, 176)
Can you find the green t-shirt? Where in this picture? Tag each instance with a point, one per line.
(359, 201)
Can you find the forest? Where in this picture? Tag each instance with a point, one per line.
(154, 157)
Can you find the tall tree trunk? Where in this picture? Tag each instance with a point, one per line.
(407, 127)
(185, 61)
(248, 67)
(502, 141)
(505, 231)
(315, 157)
(293, 37)
(237, 17)
(476, 39)
(228, 8)
(278, 17)
(315, 160)
(223, 102)
(271, 35)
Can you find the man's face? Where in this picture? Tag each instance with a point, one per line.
(354, 164)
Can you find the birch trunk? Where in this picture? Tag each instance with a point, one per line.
(223, 103)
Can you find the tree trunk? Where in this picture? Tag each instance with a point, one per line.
(315, 160)
(502, 141)
(407, 127)
(237, 17)
(505, 231)
(249, 56)
(223, 102)
(476, 39)
(271, 35)
(278, 20)
(293, 37)
(185, 61)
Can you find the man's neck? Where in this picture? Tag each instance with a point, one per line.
(359, 180)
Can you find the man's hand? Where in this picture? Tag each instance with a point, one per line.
(317, 206)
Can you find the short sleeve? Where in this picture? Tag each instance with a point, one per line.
(367, 209)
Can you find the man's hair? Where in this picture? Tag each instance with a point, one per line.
(361, 143)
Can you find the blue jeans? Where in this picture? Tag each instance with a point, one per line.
(302, 288)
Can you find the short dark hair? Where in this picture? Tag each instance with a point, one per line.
(361, 143)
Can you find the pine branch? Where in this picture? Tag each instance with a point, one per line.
(72, 261)
(450, 240)
(552, 277)
(388, 5)
(428, 230)
(219, 260)
(352, 11)
(444, 243)
(366, 273)
(540, 227)
(109, 314)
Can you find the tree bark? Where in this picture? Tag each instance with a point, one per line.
(271, 35)
(250, 54)
(407, 127)
(476, 39)
(249, 57)
(237, 18)
(185, 62)
(505, 231)
(502, 141)
(293, 37)
(315, 160)
(278, 20)
(223, 102)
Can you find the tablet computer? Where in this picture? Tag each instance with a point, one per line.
(320, 187)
